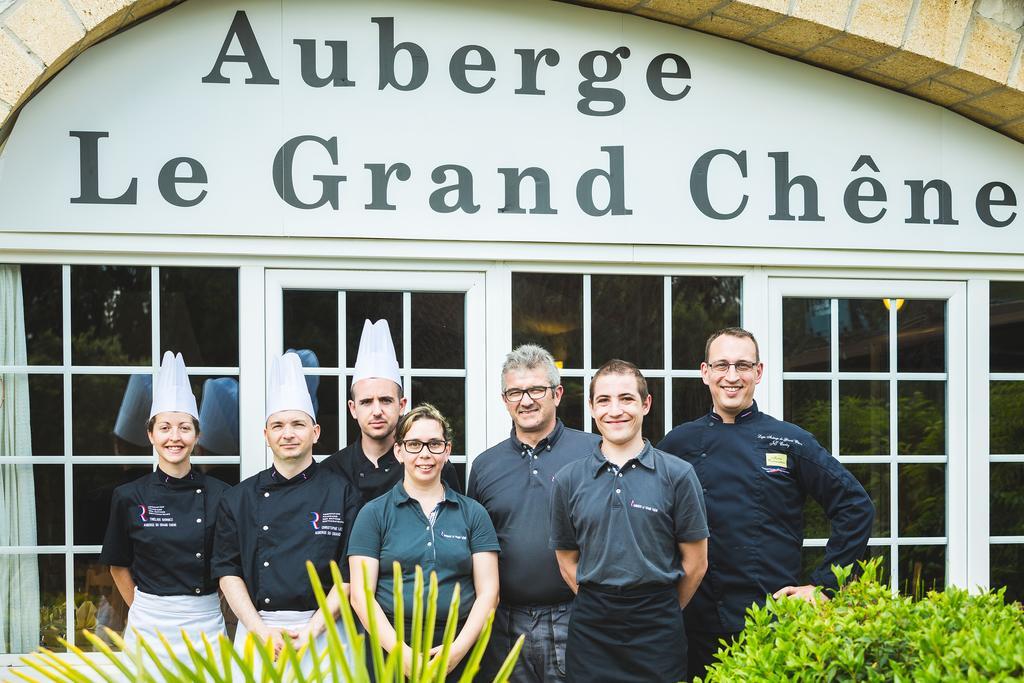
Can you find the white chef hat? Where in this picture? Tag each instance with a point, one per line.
(376, 355)
(219, 416)
(171, 391)
(131, 417)
(286, 387)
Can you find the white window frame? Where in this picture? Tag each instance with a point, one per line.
(407, 282)
(957, 499)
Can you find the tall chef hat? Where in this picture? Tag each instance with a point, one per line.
(171, 391)
(376, 355)
(286, 387)
(131, 417)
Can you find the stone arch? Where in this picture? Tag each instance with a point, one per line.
(964, 55)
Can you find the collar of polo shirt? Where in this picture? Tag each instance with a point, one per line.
(645, 457)
(401, 497)
(548, 441)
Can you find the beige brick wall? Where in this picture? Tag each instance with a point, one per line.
(961, 54)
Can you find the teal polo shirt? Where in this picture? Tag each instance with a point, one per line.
(393, 528)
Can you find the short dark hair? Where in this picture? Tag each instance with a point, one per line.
(617, 366)
(732, 332)
(423, 411)
(152, 423)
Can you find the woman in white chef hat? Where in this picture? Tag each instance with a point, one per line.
(159, 539)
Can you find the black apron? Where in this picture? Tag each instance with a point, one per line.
(626, 635)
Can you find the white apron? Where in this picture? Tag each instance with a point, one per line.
(293, 620)
(168, 615)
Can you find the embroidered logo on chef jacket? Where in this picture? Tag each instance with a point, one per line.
(326, 523)
(641, 506)
(157, 517)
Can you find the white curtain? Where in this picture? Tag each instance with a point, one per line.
(19, 574)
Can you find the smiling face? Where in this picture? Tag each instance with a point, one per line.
(532, 416)
(618, 409)
(424, 468)
(173, 436)
(291, 435)
(376, 406)
(732, 392)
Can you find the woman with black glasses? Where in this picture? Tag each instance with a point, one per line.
(422, 522)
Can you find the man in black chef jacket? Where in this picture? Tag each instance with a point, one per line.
(756, 472)
(271, 523)
(376, 402)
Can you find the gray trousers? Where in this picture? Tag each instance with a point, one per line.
(543, 655)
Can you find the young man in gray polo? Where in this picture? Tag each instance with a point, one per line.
(630, 533)
(512, 480)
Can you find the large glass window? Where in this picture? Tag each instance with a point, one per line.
(77, 358)
(1006, 438)
(658, 322)
(868, 377)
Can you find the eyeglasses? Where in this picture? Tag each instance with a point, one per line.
(536, 393)
(743, 367)
(414, 446)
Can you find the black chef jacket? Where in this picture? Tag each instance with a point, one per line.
(374, 482)
(756, 475)
(162, 529)
(268, 526)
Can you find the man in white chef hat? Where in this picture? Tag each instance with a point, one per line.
(376, 401)
(271, 523)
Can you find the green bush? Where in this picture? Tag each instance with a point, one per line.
(220, 663)
(865, 633)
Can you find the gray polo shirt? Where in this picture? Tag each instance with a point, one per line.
(627, 523)
(513, 482)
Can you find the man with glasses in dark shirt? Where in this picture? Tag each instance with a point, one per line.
(512, 480)
(756, 472)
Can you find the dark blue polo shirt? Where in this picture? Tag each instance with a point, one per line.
(513, 482)
(161, 528)
(627, 523)
(268, 526)
(393, 528)
(756, 475)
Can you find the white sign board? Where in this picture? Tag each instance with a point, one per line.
(486, 120)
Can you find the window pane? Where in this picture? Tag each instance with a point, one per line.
(111, 315)
(547, 309)
(110, 414)
(863, 335)
(48, 481)
(41, 291)
(373, 306)
(1006, 424)
(808, 403)
(92, 488)
(1006, 480)
(864, 417)
(654, 421)
(199, 314)
(875, 480)
(1006, 326)
(571, 407)
(921, 418)
(449, 396)
(806, 331)
(813, 557)
(627, 319)
(922, 501)
(229, 474)
(921, 340)
(218, 414)
(327, 415)
(31, 578)
(46, 412)
(690, 399)
(922, 569)
(438, 330)
(701, 305)
(98, 603)
(815, 522)
(1007, 569)
(311, 323)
